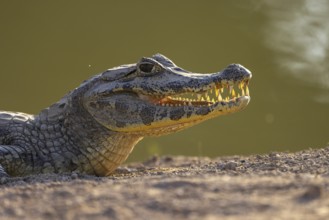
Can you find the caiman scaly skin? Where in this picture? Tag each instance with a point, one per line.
(95, 127)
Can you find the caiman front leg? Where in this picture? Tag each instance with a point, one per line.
(13, 161)
(3, 173)
(5, 158)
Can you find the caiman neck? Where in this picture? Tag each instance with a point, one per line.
(84, 134)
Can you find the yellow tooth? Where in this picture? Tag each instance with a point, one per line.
(243, 94)
(233, 93)
(222, 89)
(241, 85)
(202, 99)
(208, 98)
(220, 97)
(198, 96)
(216, 92)
(247, 91)
(230, 89)
(239, 95)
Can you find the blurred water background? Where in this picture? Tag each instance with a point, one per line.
(49, 47)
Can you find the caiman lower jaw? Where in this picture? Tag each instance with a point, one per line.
(217, 93)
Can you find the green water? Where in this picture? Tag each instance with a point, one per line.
(49, 47)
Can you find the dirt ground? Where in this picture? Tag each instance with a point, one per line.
(271, 186)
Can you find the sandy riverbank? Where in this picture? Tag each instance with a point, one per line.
(271, 186)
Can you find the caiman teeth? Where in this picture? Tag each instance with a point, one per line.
(218, 93)
(247, 91)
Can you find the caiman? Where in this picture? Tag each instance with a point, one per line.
(94, 128)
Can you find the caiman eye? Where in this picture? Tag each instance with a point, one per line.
(147, 68)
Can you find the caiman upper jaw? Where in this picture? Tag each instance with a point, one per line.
(227, 86)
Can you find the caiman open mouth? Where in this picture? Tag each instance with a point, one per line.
(217, 93)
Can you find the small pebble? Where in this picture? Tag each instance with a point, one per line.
(311, 193)
(3, 180)
(74, 175)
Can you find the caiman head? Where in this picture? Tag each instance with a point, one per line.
(155, 97)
